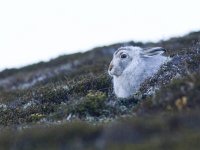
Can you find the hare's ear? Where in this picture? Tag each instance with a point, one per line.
(152, 52)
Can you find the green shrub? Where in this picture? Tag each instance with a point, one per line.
(93, 104)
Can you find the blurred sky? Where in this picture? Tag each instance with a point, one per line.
(35, 30)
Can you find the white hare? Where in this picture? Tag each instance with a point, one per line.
(130, 66)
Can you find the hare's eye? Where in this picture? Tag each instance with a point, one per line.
(123, 56)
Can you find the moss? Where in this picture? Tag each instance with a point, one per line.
(36, 117)
(92, 104)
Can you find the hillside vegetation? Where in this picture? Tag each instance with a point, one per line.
(68, 103)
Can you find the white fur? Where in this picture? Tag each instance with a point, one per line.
(137, 71)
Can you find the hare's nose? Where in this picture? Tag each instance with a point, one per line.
(110, 67)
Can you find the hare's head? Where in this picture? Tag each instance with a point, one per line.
(126, 57)
(122, 58)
